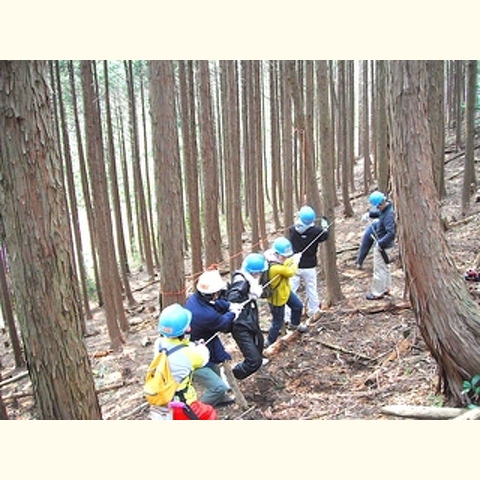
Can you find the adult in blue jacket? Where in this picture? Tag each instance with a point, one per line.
(211, 315)
(384, 239)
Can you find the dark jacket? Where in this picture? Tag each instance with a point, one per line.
(385, 227)
(245, 329)
(207, 320)
(301, 237)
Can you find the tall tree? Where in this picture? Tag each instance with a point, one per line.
(38, 240)
(140, 200)
(231, 139)
(436, 116)
(72, 196)
(109, 276)
(213, 243)
(168, 181)
(469, 177)
(367, 164)
(287, 151)
(447, 315)
(85, 185)
(332, 281)
(189, 150)
(342, 140)
(381, 134)
(275, 142)
(312, 195)
(115, 194)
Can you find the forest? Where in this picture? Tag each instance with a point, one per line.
(123, 181)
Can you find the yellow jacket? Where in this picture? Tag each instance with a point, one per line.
(279, 275)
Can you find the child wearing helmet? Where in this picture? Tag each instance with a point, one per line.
(174, 328)
(244, 290)
(383, 237)
(210, 315)
(305, 237)
(283, 266)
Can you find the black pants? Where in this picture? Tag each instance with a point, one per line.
(250, 343)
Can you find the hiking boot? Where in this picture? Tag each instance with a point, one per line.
(371, 296)
(226, 400)
(299, 328)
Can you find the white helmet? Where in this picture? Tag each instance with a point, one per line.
(210, 282)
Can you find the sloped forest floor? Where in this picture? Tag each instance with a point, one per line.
(358, 357)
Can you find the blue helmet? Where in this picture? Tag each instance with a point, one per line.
(376, 198)
(306, 215)
(282, 246)
(174, 320)
(255, 263)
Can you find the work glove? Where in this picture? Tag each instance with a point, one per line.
(324, 223)
(236, 308)
(366, 217)
(296, 257)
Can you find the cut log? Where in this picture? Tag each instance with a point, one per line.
(422, 412)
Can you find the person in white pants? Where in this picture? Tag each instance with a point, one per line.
(383, 237)
(305, 237)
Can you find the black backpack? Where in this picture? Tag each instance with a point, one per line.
(266, 284)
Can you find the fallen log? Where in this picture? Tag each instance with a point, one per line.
(470, 414)
(16, 378)
(280, 343)
(422, 412)
(386, 306)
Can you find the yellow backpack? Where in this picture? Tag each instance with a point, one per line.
(160, 386)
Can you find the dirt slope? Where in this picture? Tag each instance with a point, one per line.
(356, 358)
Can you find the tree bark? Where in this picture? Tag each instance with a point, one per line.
(469, 178)
(332, 282)
(168, 182)
(191, 184)
(447, 315)
(38, 241)
(7, 305)
(109, 276)
(115, 194)
(212, 237)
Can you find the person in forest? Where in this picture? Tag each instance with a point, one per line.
(367, 237)
(211, 315)
(244, 289)
(174, 328)
(383, 236)
(283, 265)
(305, 237)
